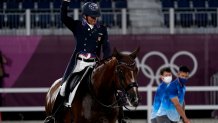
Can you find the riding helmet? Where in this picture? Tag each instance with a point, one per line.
(91, 9)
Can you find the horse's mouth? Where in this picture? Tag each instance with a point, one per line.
(135, 101)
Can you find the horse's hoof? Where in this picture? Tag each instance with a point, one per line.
(49, 119)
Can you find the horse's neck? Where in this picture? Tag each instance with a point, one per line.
(103, 76)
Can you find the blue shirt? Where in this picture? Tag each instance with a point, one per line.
(157, 99)
(174, 89)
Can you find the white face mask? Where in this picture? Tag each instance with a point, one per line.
(167, 79)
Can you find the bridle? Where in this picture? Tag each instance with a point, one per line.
(124, 90)
(122, 77)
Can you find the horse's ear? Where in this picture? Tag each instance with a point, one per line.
(134, 53)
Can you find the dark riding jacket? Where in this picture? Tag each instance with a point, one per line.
(87, 40)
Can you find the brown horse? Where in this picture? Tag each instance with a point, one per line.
(95, 100)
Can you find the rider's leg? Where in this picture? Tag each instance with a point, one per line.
(72, 81)
(66, 75)
(62, 94)
(70, 98)
(59, 99)
(77, 80)
(62, 97)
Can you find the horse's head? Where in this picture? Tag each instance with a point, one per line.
(126, 73)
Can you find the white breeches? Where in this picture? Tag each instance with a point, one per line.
(81, 65)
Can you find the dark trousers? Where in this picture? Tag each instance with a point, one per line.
(164, 119)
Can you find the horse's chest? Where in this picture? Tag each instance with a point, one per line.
(93, 113)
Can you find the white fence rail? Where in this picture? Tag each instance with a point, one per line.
(147, 107)
(119, 21)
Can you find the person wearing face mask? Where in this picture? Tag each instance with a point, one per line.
(166, 78)
(172, 104)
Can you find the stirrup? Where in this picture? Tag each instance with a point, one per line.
(49, 119)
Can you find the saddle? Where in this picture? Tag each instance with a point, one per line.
(75, 78)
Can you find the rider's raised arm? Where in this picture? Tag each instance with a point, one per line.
(68, 21)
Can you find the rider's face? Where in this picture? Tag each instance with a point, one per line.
(91, 20)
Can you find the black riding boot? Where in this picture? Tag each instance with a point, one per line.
(59, 102)
(58, 108)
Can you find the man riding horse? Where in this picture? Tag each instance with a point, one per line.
(91, 38)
